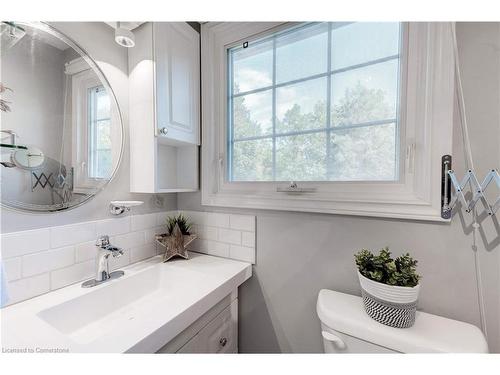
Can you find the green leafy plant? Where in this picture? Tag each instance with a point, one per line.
(401, 271)
(182, 221)
(4, 105)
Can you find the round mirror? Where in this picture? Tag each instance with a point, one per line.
(61, 130)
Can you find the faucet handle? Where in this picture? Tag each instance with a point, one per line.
(102, 241)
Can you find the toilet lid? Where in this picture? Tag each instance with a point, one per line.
(431, 333)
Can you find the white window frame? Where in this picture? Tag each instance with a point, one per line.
(426, 125)
(83, 79)
(90, 152)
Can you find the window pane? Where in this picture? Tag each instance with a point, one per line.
(367, 153)
(103, 134)
(252, 66)
(365, 94)
(360, 42)
(292, 121)
(103, 104)
(100, 148)
(301, 106)
(99, 134)
(253, 114)
(252, 160)
(301, 157)
(302, 52)
(103, 164)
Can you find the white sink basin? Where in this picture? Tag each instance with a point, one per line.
(143, 310)
(103, 309)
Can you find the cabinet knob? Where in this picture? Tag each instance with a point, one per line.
(223, 341)
(164, 130)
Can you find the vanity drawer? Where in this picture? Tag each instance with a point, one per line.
(218, 336)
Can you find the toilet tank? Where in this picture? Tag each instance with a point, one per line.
(346, 328)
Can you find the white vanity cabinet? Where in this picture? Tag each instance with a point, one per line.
(164, 97)
(215, 332)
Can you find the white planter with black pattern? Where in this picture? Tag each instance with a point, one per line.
(391, 305)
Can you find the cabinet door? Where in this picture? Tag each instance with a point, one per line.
(218, 336)
(177, 81)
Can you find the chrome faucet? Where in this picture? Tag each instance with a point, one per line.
(105, 249)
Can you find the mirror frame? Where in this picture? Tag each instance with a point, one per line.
(46, 27)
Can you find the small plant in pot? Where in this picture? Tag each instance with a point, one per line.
(389, 287)
(180, 220)
(177, 238)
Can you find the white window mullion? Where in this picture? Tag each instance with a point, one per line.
(274, 108)
(91, 132)
(230, 137)
(328, 105)
(400, 166)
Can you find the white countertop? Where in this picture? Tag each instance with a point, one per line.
(139, 312)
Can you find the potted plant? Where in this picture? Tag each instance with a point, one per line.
(176, 239)
(389, 287)
(180, 220)
(4, 105)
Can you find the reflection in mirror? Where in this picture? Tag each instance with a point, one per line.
(61, 131)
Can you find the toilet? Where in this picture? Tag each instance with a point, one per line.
(346, 328)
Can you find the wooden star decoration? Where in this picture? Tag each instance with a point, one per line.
(175, 244)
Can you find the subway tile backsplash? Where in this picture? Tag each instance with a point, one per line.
(140, 222)
(30, 241)
(242, 222)
(225, 235)
(38, 261)
(72, 234)
(45, 261)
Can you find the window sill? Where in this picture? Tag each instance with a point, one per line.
(416, 209)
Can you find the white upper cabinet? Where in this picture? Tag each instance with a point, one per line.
(164, 95)
(177, 68)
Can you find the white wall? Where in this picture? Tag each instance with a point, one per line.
(98, 40)
(34, 71)
(300, 253)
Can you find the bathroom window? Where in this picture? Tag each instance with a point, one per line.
(99, 133)
(315, 102)
(357, 115)
(92, 156)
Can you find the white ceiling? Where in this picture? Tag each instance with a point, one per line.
(129, 25)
